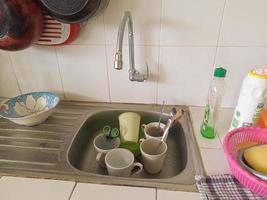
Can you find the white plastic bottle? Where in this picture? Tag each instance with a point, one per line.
(251, 99)
(216, 90)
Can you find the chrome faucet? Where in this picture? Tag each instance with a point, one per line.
(134, 75)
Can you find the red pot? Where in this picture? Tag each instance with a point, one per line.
(21, 24)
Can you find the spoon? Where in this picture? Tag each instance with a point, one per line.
(175, 116)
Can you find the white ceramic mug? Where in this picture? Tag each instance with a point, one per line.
(120, 162)
(103, 145)
(147, 128)
(129, 126)
(153, 153)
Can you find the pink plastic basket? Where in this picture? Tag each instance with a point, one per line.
(235, 137)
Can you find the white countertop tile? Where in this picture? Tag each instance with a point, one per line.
(176, 195)
(84, 191)
(214, 161)
(224, 121)
(15, 188)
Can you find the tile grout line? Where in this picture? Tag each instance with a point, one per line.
(216, 52)
(174, 46)
(159, 52)
(60, 74)
(106, 54)
(72, 191)
(211, 148)
(14, 72)
(219, 36)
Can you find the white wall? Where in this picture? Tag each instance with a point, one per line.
(182, 40)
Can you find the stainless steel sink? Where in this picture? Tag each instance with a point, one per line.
(61, 147)
(82, 154)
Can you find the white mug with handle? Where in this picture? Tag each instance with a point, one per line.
(153, 130)
(120, 162)
(153, 153)
(103, 145)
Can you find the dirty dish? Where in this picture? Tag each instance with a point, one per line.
(152, 130)
(103, 145)
(153, 153)
(120, 162)
(29, 109)
(129, 126)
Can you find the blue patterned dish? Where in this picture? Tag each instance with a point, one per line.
(29, 109)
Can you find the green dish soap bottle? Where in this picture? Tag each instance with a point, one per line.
(216, 90)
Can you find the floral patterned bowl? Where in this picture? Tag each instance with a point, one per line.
(29, 109)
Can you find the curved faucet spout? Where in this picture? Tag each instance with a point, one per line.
(134, 75)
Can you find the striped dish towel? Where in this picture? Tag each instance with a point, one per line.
(220, 187)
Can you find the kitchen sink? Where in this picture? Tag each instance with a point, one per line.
(61, 147)
(82, 154)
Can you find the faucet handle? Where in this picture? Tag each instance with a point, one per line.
(138, 76)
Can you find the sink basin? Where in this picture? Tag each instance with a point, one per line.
(61, 147)
(181, 165)
(82, 154)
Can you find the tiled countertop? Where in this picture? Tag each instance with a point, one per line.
(12, 188)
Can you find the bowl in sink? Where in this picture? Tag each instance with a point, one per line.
(29, 109)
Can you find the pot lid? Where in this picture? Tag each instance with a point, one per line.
(12, 20)
(65, 7)
(3, 22)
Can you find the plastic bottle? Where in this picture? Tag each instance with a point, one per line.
(216, 90)
(262, 121)
(251, 99)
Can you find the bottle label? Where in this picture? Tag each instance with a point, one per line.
(257, 112)
(235, 121)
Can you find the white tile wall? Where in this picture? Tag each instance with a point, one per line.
(37, 70)
(84, 72)
(146, 19)
(182, 40)
(184, 74)
(92, 32)
(244, 23)
(8, 82)
(190, 22)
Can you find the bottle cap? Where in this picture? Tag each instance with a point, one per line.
(220, 72)
(258, 73)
